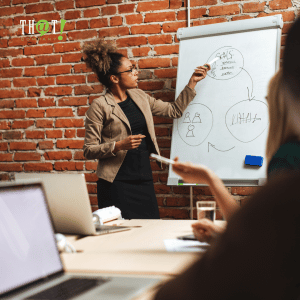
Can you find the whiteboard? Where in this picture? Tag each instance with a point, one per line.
(228, 118)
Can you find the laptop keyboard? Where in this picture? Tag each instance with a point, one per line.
(68, 289)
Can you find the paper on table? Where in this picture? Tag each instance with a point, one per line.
(176, 245)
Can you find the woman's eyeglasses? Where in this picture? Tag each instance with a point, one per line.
(129, 71)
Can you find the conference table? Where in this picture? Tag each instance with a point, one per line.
(137, 251)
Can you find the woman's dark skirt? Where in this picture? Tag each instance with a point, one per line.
(135, 198)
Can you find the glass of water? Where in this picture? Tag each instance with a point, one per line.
(206, 209)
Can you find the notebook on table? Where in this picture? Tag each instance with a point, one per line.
(69, 203)
(30, 264)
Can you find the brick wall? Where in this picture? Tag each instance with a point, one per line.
(45, 88)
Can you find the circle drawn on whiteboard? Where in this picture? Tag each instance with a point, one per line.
(247, 120)
(195, 124)
(229, 65)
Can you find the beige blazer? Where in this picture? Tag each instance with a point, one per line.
(106, 124)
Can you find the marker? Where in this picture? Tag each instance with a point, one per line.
(162, 159)
(211, 62)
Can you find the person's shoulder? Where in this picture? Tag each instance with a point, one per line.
(289, 150)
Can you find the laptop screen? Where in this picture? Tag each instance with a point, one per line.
(28, 248)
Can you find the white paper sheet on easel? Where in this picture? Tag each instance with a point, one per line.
(176, 245)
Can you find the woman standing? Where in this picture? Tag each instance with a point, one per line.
(120, 131)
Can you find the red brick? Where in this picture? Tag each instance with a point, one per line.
(163, 143)
(33, 92)
(4, 125)
(113, 31)
(6, 22)
(243, 191)
(44, 123)
(98, 23)
(26, 103)
(232, 9)
(132, 41)
(156, 28)
(85, 89)
(4, 3)
(108, 10)
(134, 19)
(22, 41)
(35, 113)
(35, 134)
(22, 124)
(87, 3)
(24, 1)
(47, 59)
(34, 50)
(150, 63)
(70, 25)
(92, 78)
(58, 70)
(91, 165)
(43, 102)
(173, 26)
(4, 84)
(24, 82)
(46, 145)
(48, 17)
(165, 50)
(71, 144)
(58, 155)
(10, 52)
(81, 68)
(165, 96)
(41, 7)
(75, 79)
(67, 47)
(70, 133)
(12, 94)
(280, 4)
(3, 43)
(74, 57)
(72, 101)
(195, 14)
(91, 177)
(126, 8)
(12, 114)
(38, 167)
(160, 17)
(73, 14)
(22, 146)
(53, 134)
(4, 63)
(175, 213)
(90, 13)
(12, 135)
(81, 132)
(7, 104)
(154, 5)
(210, 21)
(59, 112)
(62, 5)
(84, 24)
(10, 167)
(25, 61)
(32, 72)
(253, 7)
(151, 85)
(160, 39)
(141, 51)
(6, 73)
(63, 123)
(19, 156)
(177, 201)
(166, 73)
(46, 81)
(68, 166)
(81, 35)
(81, 111)
(7, 11)
(174, 61)
(3, 146)
(116, 21)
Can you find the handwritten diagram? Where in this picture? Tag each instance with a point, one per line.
(246, 120)
(195, 124)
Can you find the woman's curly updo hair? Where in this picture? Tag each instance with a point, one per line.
(102, 57)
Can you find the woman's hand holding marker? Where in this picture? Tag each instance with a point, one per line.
(198, 75)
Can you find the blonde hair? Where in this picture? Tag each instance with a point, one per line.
(284, 116)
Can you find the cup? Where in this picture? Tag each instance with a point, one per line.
(206, 209)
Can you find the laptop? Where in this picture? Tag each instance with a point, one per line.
(69, 203)
(30, 264)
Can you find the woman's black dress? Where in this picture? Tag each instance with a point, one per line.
(132, 191)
